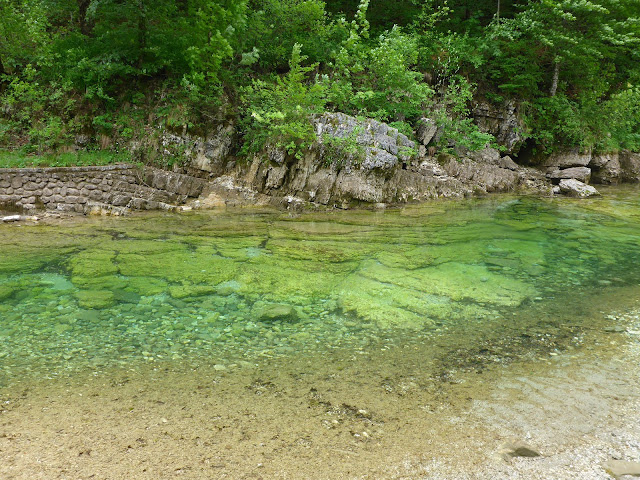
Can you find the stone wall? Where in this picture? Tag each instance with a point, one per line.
(87, 189)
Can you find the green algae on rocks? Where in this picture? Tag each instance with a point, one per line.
(240, 284)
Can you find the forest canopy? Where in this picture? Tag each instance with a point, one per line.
(70, 67)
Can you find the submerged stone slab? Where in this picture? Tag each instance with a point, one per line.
(619, 468)
(95, 298)
(275, 312)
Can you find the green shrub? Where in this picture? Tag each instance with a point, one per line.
(279, 112)
(377, 79)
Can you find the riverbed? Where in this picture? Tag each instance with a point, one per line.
(408, 343)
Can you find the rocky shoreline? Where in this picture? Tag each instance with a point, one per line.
(355, 162)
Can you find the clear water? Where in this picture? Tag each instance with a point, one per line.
(466, 284)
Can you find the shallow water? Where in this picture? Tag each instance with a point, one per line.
(201, 288)
(334, 310)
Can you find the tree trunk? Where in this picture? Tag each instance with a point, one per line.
(556, 76)
(498, 12)
(142, 32)
(86, 26)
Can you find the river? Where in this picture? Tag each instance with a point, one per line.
(406, 343)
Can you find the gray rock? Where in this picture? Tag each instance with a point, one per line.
(275, 312)
(363, 161)
(630, 165)
(427, 129)
(487, 177)
(508, 163)
(572, 158)
(486, 155)
(575, 188)
(582, 174)
(619, 468)
(82, 140)
(606, 168)
(503, 122)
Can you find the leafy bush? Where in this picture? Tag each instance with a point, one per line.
(276, 25)
(453, 116)
(41, 110)
(377, 80)
(279, 112)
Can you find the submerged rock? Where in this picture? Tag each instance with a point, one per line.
(275, 312)
(95, 298)
(619, 468)
(6, 292)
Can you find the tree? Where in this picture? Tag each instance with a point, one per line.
(582, 38)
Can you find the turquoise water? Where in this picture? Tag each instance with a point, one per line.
(486, 280)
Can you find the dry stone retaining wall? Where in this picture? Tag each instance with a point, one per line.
(82, 189)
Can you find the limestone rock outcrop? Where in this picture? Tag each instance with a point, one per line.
(357, 161)
(503, 122)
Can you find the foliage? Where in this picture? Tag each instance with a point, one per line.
(339, 151)
(278, 113)
(114, 67)
(377, 79)
(458, 130)
(17, 159)
(277, 25)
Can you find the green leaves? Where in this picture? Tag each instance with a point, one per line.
(278, 113)
(378, 79)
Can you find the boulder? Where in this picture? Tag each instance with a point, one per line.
(571, 158)
(486, 155)
(606, 168)
(482, 177)
(630, 165)
(426, 130)
(575, 188)
(508, 163)
(582, 174)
